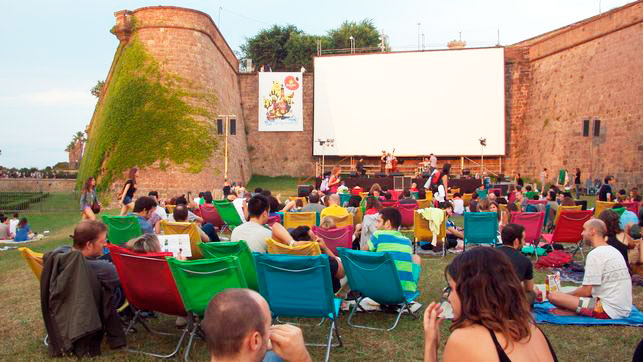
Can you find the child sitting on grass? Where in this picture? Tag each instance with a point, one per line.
(23, 231)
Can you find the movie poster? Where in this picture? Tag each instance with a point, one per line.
(280, 101)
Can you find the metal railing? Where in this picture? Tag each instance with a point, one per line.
(39, 201)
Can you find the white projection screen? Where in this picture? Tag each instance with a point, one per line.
(439, 102)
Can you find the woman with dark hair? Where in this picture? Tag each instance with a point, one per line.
(615, 235)
(373, 206)
(491, 315)
(87, 199)
(126, 197)
(375, 190)
(577, 183)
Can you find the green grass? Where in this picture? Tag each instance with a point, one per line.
(22, 329)
(284, 185)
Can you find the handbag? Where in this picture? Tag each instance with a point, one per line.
(95, 205)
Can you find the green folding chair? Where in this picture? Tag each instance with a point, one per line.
(239, 249)
(228, 213)
(374, 275)
(300, 287)
(199, 280)
(121, 229)
(480, 228)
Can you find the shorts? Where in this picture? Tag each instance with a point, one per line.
(591, 307)
(127, 200)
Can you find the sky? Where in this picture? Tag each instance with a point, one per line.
(54, 52)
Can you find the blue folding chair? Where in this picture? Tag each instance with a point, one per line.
(299, 286)
(482, 194)
(480, 228)
(343, 199)
(374, 275)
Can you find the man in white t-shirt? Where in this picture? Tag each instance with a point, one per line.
(13, 223)
(606, 292)
(238, 203)
(255, 232)
(160, 210)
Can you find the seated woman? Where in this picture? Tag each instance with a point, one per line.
(353, 204)
(491, 316)
(304, 233)
(23, 231)
(146, 243)
(373, 206)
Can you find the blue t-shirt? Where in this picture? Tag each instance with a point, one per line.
(146, 228)
(22, 234)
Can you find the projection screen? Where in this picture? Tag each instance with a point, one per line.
(439, 102)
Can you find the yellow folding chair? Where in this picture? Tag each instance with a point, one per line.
(170, 208)
(295, 219)
(467, 199)
(421, 230)
(424, 203)
(307, 249)
(303, 199)
(561, 208)
(340, 222)
(33, 259)
(455, 189)
(190, 228)
(602, 205)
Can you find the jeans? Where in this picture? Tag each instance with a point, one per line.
(210, 231)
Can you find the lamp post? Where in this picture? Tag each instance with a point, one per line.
(483, 143)
(352, 44)
(419, 35)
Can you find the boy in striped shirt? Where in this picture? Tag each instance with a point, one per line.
(388, 239)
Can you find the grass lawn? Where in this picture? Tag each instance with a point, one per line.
(22, 329)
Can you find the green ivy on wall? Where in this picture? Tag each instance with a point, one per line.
(144, 118)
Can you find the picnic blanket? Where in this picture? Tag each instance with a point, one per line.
(542, 315)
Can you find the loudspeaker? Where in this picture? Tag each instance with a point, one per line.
(304, 190)
(380, 174)
(586, 128)
(597, 128)
(397, 174)
(466, 171)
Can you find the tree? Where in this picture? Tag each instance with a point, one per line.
(365, 34)
(269, 46)
(301, 50)
(97, 88)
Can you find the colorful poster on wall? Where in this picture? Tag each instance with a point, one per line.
(281, 101)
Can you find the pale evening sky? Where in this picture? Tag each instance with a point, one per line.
(54, 52)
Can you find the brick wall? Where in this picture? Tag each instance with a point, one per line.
(589, 70)
(36, 185)
(278, 153)
(187, 43)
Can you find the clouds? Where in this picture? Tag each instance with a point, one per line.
(51, 97)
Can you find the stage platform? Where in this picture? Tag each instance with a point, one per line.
(466, 185)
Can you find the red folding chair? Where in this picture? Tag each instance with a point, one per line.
(632, 206)
(389, 203)
(336, 237)
(149, 286)
(407, 210)
(210, 214)
(569, 229)
(532, 222)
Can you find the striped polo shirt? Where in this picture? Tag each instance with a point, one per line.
(399, 246)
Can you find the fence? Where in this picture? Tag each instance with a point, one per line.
(39, 201)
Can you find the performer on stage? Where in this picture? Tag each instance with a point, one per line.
(390, 157)
(359, 167)
(383, 161)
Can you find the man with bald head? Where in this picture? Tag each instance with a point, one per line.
(237, 327)
(334, 209)
(606, 292)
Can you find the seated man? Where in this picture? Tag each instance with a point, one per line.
(144, 209)
(388, 239)
(333, 208)
(606, 292)
(513, 237)
(181, 200)
(207, 231)
(458, 204)
(237, 327)
(89, 240)
(454, 236)
(255, 232)
(160, 210)
(406, 198)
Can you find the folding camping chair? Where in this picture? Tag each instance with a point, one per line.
(424, 203)
(295, 219)
(533, 224)
(480, 228)
(374, 275)
(149, 286)
(561, 208)
(304, 200)
(189, 228)
(300, 287)
(336, 237)
(239, 249)
(482, 193)
(389, 203)
(228, 213)
(467, 199)
(422, 231)
(210, 215)
(275, 247)
(408, 214)
(199, 280)
(602, 205)
(632, 206)
(343, 199)
(569, 229)
(120, 229)
(343, 221)
(33, 259)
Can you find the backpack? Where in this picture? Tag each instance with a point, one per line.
(434, 181)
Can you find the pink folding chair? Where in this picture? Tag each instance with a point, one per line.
(532, 222)
(336, 237)
(632, 206)
(389, 203)
(210, 214)
(407, 210)
(273, 219)
(569, 228)
(536, 202)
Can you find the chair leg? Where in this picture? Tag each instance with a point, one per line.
(330, 341)
(399, 315)
(137, 318)
(193, 326)
(46, 340)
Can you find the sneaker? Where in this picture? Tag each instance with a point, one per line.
(181, 322)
